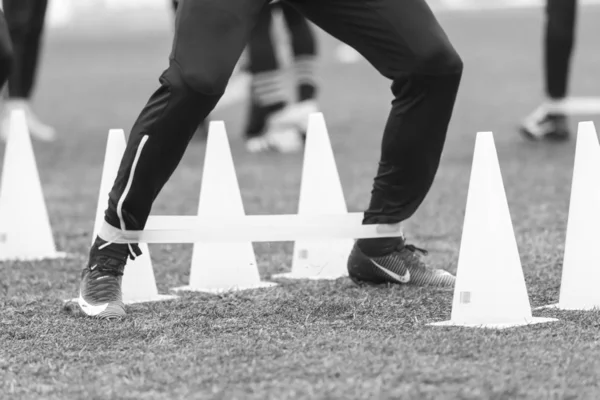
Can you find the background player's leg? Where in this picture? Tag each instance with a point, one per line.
(548, 121)
(6, 51)
(558, 46)
(26, 26)
(267, 92)
(304, 48)
(405, 43)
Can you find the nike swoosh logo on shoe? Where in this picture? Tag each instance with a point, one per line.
(89, 309)
(400, 278)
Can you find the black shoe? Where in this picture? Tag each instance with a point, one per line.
(100, 288)
(402, 266)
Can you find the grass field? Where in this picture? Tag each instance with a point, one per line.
(303, 339)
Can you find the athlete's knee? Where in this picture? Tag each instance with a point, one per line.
(204, 80)
(439, 58)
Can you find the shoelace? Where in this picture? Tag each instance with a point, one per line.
(109, 266)
(412, 248)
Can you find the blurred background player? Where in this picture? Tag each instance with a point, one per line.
(548, 121)
(6, 52)
(25, 19)
(273, 122)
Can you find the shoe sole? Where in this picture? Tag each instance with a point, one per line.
(112, 312)
(361, 283)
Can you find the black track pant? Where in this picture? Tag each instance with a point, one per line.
(6, 51)
(558, 45)
(401, 39)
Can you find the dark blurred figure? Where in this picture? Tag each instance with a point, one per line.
(549, 121)
(6, 51)
(273, 122)
(25, 19)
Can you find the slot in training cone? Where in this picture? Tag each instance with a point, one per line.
(25, 231)
(221, 267)
(139, 284)
(490, 289)
(581, 264)
(320, 193)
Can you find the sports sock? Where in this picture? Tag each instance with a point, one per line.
(268, 90)
(304, 71)
(378, 247)
(115, 250)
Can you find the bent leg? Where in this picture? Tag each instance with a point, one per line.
(405, 43)
(209, 38)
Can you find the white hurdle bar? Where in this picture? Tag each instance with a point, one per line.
(254, 228)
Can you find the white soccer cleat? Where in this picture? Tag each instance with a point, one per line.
(546, 123)
(286, 140)
(294, 116)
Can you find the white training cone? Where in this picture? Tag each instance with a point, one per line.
(139, 284)
(25, 231)
(581, 264)
(221, 267)
(320, 193)
(490, 289)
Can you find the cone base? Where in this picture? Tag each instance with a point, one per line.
(314, 277)
(505, 325)
(53, 256)
(581, 307)
(259, 285)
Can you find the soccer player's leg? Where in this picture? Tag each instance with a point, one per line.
(267, 92)
(25, 20)
(406, 44)
(6, 50)
(304, 47)
(549, 121)
(209, 38)
(202, 131)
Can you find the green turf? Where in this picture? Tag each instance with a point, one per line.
(303, 339)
